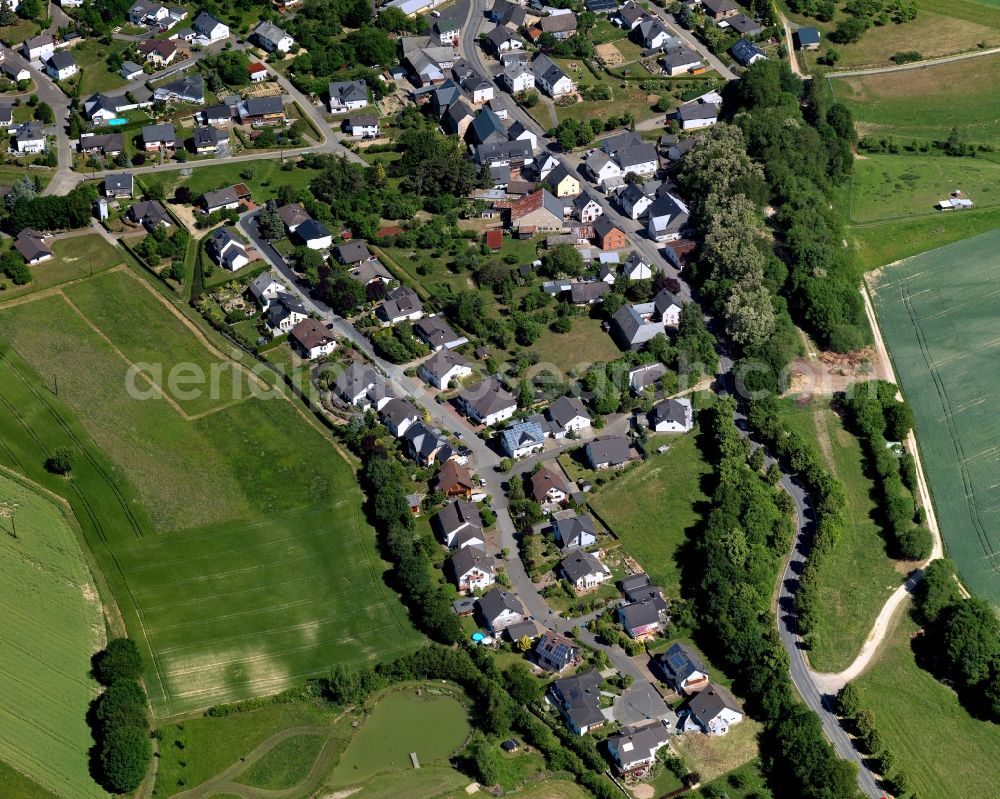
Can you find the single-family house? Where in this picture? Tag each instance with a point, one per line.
(561, 25)
(477, 88)
(680, 59)
(313, 235)
(101, 143)
(362, 126)
(147, 12)
(264, 288)
(634, 201)
(578, 700)
(642, 377)
(158, 53)
(715, 710)
(226, 250)
(272, 38)
(454, 481)
(29, 138)
(548, 486)
(447, 31)
(642, 619)
(352, 385)
(636, 268)
(807, 38)
(510, 15)
(118, 185)
(720, 9)
(630, 15)
(207, 140)
(604, 169)
(187, 89)
(437, 333)
(368, 272)
(38, 48)
(284, 313)
(293, 215)
(680, 148)
(584, 570)
(574, 532)
(60, 66)
(568, 415)
(312, 339)
(631, 329)
(746, 53)
(601, 6)
(257, 72)
(350, 253)
(697, 114)
(427, 445)
(666, 218)
(150, 214)
(209, 29)
(518, 77)
(155, 137)
(556, 653)
(639, 159)
(608, 453)
(471, 568)
(683, 669)
(499, 609)
(32, 246)
(743, 25)
(512, 154)
(502, 40)
(218, 114)
(538, 212)
(586, 208)
(563, 182)
(400, 305)
(522, 439)
(15, 72)
(551, 78)
(608, 235)
(443, 367)
(486, 128)
(667, 308)
(587, 292)
(634, 749)
(487, 402)
(398, 414)
(224, 199)
(261, 111)
(652, 34)
(347, 95)
(130, 70)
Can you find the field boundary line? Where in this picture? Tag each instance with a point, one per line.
(51, 291)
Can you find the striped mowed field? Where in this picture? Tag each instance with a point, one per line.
(940, 315)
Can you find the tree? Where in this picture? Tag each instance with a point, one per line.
(125, 756)
(749, 316)
(60, 462)
(521, 683)
(14, 267)
(433, 164)
(848, 702)
(970, 641)
(938, 591)
(7, 15)
(849, 30)
(898, 420)
(563, 260)
(269, 223)
(120, 660)
(123, 704)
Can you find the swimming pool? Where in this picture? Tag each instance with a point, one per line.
(117, 122)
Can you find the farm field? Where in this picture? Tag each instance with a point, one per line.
(668, 487)
(943, 751)
(925, 104)
(17, 786)
(887, 187)
(857, 575)
(52, 626)
(937, 312)
(252, 512)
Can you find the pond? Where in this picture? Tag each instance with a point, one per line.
(432, 725)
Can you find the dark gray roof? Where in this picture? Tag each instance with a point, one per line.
(628, 157)
(118, 181)
(665, 300)
(741, 23)
(435, 331)
(546, 69)
(503, 151)
(494, 603)
(697, 109)
(207, 136)
(310, 230)
(293, 214)
(349, 90)
(485, 126)
(204, 22)
(681, 662)
(614, 450)
(564, 409)
(639, 614)
(220, 197)
(458, 514)
(109, 142)
(424, 440)
(579, 696)
(711, 701)
(579, 563)
(441, 362)
(638, 743)
(581, 292)
(647, 375)
(743, 51)
(396, 411)
(468, 558)
(719, 6)
(190, 87)
(807, 35)
(217, 111)
(680, 56)
(401, 301)
(350, 252)
(355, 379)
(158, 133)
(261, 106)
(633, 582)
(572, 530)
(149, 212)
(61, 60)
(487, 397)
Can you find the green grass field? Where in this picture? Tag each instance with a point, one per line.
(77, 257)
(925, 104)
(268, 176)
(938, 314)
(857, 575)
(652, 508)
(95, 74)
(943, 751)
(52, 626)
(584, 345)
(886, 187)
(246, 562)
(287, 764)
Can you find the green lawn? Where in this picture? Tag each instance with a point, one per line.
(925, 104)
(882, 243)
(886, 187)
(76, 258)
(95, 75)
(937, 312)
(427, 782)
(52, 627)
(17, 786)
(268, 176)
(9, 174)
(941, 749)
(625, 95)
(652, 508)
(287, 764)
(575, 351)
(270, 571)
(857, 575)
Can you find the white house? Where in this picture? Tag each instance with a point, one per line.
(397, 415)
(39, 48)
(312, 339)
(472, 568)
(586, 208)
(637, 159)
(667, 307)
(635, 748)
(574, 531)
(518, 77)
(362, 126)
(550, 76)
(715, 710)
(634, 201)
(61, 66)
(284, 313)
(487, 403)
(29, 138)
(402, 304)
(678, 60)
(603, 169)
(264, 288)
(584, 570)
(209, 29)
(568, 415)
(652, 33)
(459, 524)
(683, 669)
(347, 95)
(272, 38)
(314, 235)
(671, 416)
(667, 217)
(699, 113)
(443, 367)
(227, 250)
(636, 268)
(499, 609)
(522, 439)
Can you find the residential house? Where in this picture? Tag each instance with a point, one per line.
(158, 53)
(15, 73)
(220, 200)
(631, 329)
(130, 70)
(454, 481)
(400, 305)
(471, 568)
(604, 169)
(352, 385)
(807, 38)
(487, 402)
(518, 77)
(350, 253)
(601, 6)
(715, 710)
(667, 217)
(587, 292)
(219, 114)
(578, 700)
(294, 215)
(586, 208)
(209, 29)
(155, 137)
(634, 749)
(562, 25)
(652, 34)
(746, 53)
(272, 38)
(312, 339)
(681, 59)
(60, 66)
(608, 453)
(437, 333)
(642, 377)
(458, 117)
(556, 653)
(743, 25)
(574, 532)
(362, 126)
(683, 669)
(398, 414)
(257, 72)
(719, 9)
(510, 15)
(443, 367)
(284, 313)
(568, 415)
(504, 108)
(477, 88)
(39, 48)
(638, 159)
(32, 246)
(146, 12)
(226, 250)
(502, 40)
(264, 288)
(584, 570)
(428, 445)
(512, 154)
(459, 524)
(548, 486)
(630, 15)
(551, 78)
(118, 185)
(369, 272)
(101, 143)
(634, 201)
(313, 235)
(150, 214)
(563, 182)
(522, 439)
(499, 609)
(697, 114)
(207, 140)
(486, 128)
(679, 149)
(538, 212)
(608, 235)
(645, 613)
(29, 138)
(447, 31)
(262, 111)
(347, 95)
(667, 308)
(187, 89)
(636, 268)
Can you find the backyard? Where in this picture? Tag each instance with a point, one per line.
(76, 257)
(266, 176)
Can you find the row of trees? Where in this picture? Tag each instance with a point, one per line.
(120, 718)
(24, 207)
(736, 558)
(862, 723)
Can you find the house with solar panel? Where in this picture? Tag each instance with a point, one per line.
(683, 669)
(556, 652)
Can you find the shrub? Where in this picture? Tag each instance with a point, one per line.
(906, 57)
(60, 462)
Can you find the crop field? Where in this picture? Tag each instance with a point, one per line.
(925, 104)
(938, 314)
(244, 560)
(52, 626)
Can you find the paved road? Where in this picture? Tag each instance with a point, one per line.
(670, 21)
(930, 62)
